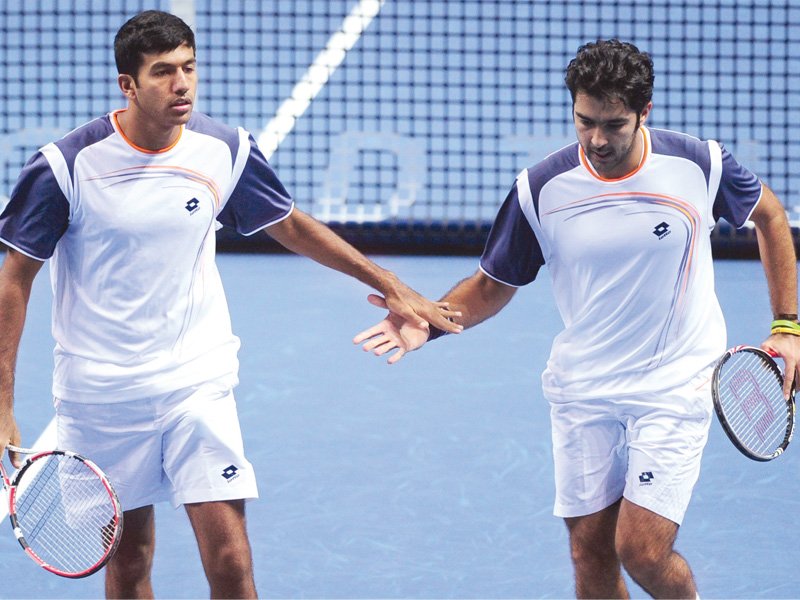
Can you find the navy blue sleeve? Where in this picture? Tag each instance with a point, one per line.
(512, 254)
(37, 215)
(259, 198)
(739, 191)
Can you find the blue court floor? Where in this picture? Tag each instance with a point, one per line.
(431, 478)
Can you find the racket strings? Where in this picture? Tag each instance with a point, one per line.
(65, 537)
(65, 513)
(751, 395)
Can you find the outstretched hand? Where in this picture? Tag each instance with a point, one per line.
(407, 305)
(398, 333)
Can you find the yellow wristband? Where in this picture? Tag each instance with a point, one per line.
(789, 330)
(785, 323)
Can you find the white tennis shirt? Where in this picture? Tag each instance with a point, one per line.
(139, 307)
(630, 261)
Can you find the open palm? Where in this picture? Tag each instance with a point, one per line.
(393, 333)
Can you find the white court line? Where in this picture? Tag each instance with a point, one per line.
(186, 10)
(317, 75)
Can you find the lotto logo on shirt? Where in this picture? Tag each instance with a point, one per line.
(192, 205)
(661, 230)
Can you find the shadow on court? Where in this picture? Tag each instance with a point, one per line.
(431, 478)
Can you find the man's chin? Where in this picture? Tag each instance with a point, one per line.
(606, 167)
(179, 115)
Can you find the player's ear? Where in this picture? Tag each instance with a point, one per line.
(127, 84)
(645, 113)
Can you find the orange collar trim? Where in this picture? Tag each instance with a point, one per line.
(118, 127)
(645, 154)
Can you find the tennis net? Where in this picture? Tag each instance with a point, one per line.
(404, 123)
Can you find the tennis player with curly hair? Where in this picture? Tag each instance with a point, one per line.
(622, 220)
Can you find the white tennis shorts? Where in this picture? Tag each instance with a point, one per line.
(185, 446)
(646, 448)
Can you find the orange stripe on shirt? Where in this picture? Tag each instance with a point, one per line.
(163, 170)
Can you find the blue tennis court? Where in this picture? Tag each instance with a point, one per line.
(431, 478)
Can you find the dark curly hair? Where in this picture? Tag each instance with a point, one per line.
(149, 32)
(612, 70)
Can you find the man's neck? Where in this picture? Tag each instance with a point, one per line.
(144, 134)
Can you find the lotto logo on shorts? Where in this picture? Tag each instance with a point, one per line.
(646, 478)
(230, 473)
(192, 205)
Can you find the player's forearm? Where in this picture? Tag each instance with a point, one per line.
(780, 267)
(478, 298)
(12, 318)
(16, 278)
(778, 257)
(304, 235)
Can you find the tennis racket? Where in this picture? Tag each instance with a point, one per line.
(63, 511)
(748, 398)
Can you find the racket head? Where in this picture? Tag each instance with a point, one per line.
(65, 513)
(747, 389)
